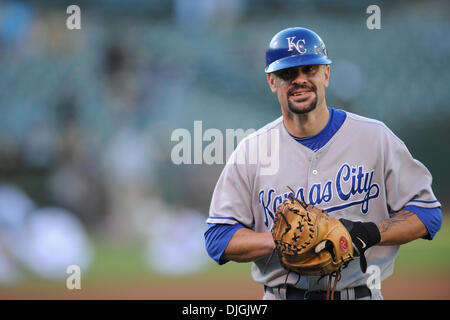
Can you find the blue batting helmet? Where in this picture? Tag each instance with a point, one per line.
(294, 47)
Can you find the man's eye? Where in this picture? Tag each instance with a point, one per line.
(307, 69)
(287, 74)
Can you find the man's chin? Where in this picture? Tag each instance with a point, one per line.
(302, 108)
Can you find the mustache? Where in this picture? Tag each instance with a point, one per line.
(296, 86)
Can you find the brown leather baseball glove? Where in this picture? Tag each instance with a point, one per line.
(310, 242)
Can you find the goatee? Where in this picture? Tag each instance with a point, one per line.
(311, 107)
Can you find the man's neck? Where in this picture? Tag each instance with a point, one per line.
(308, 124)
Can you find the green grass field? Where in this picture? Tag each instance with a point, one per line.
(414, 257)
(422, 256)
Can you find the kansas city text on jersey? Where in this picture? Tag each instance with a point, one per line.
(352, 185)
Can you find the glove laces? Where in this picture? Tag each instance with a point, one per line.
(330, 291)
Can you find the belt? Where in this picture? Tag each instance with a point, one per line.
(293, 293)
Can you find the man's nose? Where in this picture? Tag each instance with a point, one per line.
(300, 77)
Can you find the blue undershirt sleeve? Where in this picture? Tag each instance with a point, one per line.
(217, 237)
(431, 218)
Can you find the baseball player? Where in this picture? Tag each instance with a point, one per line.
(354, 168)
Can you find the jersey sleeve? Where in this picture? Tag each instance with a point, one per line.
(231, 200)
(217, 237)
(409, 184)
(431, 218)
(230, 208)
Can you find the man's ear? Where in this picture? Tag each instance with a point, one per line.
(272, 82)
(327, 75)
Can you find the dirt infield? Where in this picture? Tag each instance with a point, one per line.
(435, 287)
(399, 288)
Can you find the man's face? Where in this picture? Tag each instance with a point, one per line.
(300, 89)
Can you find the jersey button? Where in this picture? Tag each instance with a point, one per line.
(315, 172)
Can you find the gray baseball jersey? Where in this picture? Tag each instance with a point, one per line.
(363, 173)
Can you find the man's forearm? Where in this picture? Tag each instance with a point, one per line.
(404, 227)
(247, 245)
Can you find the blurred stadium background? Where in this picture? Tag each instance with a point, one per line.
(87, 115)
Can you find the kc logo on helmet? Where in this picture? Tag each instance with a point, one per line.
(299, 45)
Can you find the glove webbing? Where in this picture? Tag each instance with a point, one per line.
(288, 225)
